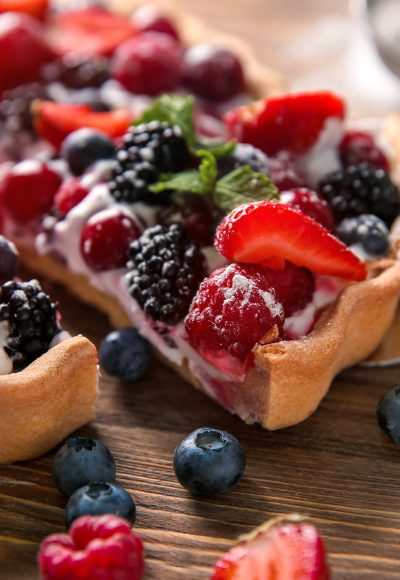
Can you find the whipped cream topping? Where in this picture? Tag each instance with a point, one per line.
(6, 364)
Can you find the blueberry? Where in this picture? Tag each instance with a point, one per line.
(244, 154)
(100, 498)
(9, 259)
(125, 354)
(209, 461)
(84, 147)
(388, 414)
(367, 230)
(80, 461)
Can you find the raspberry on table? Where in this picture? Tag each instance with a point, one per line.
(311, 204)
(361, 189)
(165, 269)
(360, 147)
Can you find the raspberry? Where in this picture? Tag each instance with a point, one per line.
(212, 72)
(69, 195)
(294, 286)
(28, 190)
(311, 204)
(95, 547)
(148, 64)
(361, 189)
(233, 309)
(165, 270)
(149, 18)
(105, 239)
(359, 147)
(283, 172)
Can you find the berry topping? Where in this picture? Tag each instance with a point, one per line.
(28, 190)
(35, 8)
(82, 460)
(288, 123)
(69, 195)
(359, 147)
(31, 319)
(244, 154)
(125, 354)
(96, 547)
(270, 233)
(148, 18)
(100, 498)
(148, 64)
(233, 310)
(55, 121)
(84, 147)
(367, 230)
(212, 72)
(361, 189)
(311, 204)
(77, 72)
(105, 239)
(147, 151)
(388, 414)
(9, 259)
(286, 548)
(165, 270)
(15, 108)
(283, 172)
(23, 50)
(209, 461)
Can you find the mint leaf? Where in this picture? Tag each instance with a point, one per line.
(208, 169)
(186, 181)
(174, 110)
(243, 185)
(220, 149)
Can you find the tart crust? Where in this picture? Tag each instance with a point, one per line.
(51, 398)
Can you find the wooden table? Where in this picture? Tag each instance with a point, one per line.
(337, 467)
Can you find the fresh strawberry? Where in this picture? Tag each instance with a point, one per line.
(89, 31)
(270, 233)
(289, 123)
(36, 8)
(54, 121)
(286, 548)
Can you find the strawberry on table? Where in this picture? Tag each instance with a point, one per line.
(288, 123)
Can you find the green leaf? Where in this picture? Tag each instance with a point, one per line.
(220, 149)
(174, 110)
(186, 181)
(208, 169)
(243, 185)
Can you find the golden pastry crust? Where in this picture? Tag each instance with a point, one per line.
(51, 398)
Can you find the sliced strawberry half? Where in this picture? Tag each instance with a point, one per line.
(283, 549)
(289, 123)
(90, 31)
(270, 233)
(54, 121)
(35, 8)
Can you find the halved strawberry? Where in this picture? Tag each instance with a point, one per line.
(93, 31)
(54, 121)
(289, 123)
(35, 8)
(285, 548)
(270, 233)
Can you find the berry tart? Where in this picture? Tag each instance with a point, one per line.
(48, 380)
(256, 262)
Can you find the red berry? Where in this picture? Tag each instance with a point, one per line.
(105, 239)
(283, 549)
(149, 18)
(270, 233)
(96, 547)
(36, 8)
(283, 171)
(311, 204)
(212, 72)
(288, 123)
(28, 190)
(69, 195)
(208, 123)
(359, 147)
(23, 50)
(149, 64)
(233, 309)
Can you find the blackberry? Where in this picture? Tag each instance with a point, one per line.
(15, 107)
(78, 72)
(31, 317)
(165, 270)
(148, 151)
(361, 189)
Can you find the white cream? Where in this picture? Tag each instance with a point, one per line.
(6, 364)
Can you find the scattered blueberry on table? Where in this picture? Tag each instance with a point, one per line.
(125, 354)
(388, 414)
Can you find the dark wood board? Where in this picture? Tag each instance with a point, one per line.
(336, 467)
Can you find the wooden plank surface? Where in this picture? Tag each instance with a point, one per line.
(337, 467)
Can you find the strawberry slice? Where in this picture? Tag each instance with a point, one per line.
(289, 123)
(269, 233)
(36, 8)
(283, 549)
(90, 31)
(54, 121)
